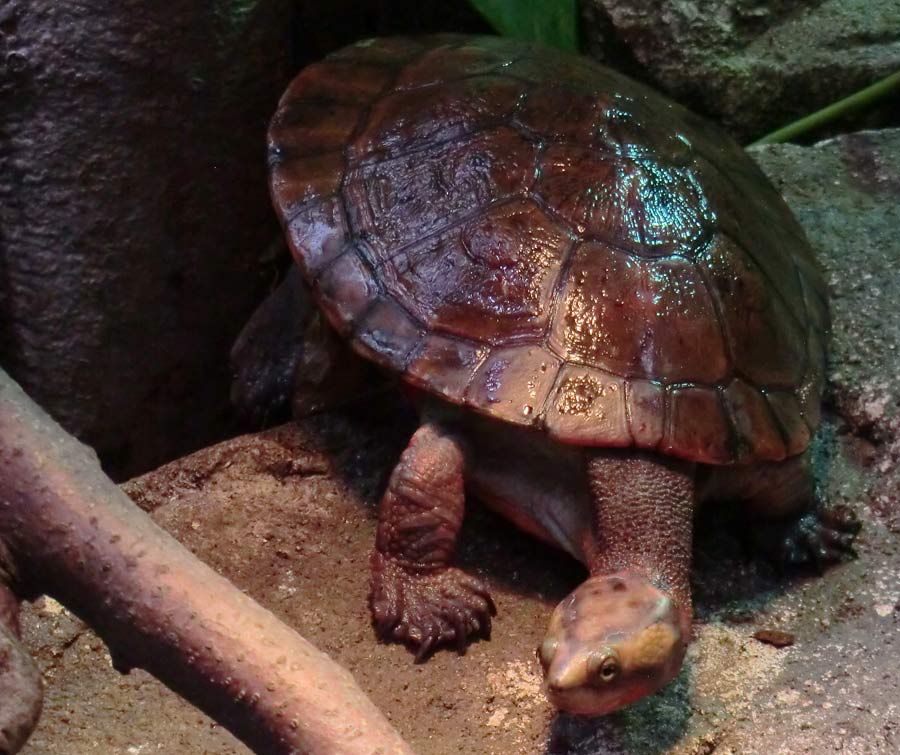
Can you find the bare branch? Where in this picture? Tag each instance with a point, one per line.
(74, 535)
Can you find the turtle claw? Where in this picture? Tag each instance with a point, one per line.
(816, 538)
(424, 650)
(427, 610)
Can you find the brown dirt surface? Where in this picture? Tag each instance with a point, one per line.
(288, 515)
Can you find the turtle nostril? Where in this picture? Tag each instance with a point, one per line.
(554, 685)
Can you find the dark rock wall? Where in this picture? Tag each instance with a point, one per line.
(134, 210)
(321, 27)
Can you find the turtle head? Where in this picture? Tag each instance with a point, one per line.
(614, 640)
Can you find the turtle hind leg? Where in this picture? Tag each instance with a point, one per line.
(265, 355)
(417, 596)
(287, 359)
(786, 521)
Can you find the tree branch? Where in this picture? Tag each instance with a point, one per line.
(73, 534)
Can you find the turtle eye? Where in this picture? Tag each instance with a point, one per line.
(604, 667)
(546, 650)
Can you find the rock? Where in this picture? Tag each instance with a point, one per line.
(134, 211)
(846, 194)
(754, 65)
(774, 637)
(288, 514)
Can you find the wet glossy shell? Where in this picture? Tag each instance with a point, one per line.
(540, 239)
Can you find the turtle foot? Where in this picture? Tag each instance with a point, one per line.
(814, 538)
(429, 609)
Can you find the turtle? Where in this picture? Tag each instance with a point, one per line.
(602, 311)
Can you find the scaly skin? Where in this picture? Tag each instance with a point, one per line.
(614, 640)
(623, 633)
(618, 637)
(626, 514)
(417, 596)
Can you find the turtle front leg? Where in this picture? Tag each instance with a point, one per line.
(417, 596)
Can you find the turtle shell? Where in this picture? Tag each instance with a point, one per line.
(536, 237)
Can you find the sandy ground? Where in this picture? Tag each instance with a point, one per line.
(288, 515)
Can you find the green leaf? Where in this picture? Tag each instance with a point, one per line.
(548, 22)
(858, 101)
